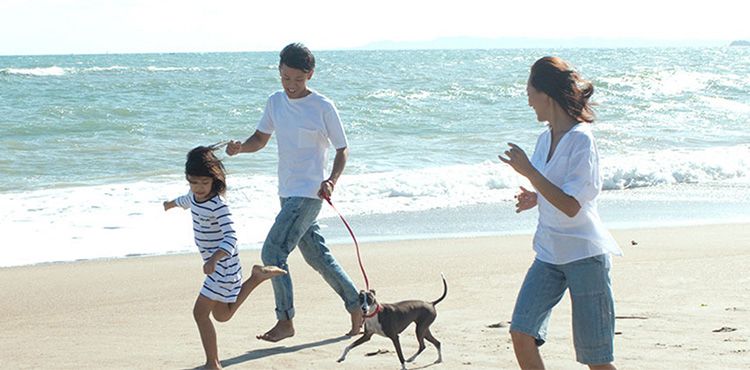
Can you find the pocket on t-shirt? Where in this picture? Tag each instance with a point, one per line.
(308, 138)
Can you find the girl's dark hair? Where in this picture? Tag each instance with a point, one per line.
(558, 80)
(297, 56)
(201, 161)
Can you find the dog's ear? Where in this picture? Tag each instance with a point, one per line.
(372, 291)
(361, 292)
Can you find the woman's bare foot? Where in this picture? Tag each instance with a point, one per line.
(262, 273)
(283, 329)
(357, 321)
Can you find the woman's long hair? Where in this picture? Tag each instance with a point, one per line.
(554, 77)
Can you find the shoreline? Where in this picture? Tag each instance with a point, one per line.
(681, 298)
(345, 239)
(628, 209)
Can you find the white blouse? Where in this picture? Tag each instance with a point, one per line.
(574, 168)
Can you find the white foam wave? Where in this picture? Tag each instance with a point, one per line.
(39, 71)
(123, 219)
(60, 71)
(646, 84)
(106, 69)
(111, 221)
(429, 188)
(182, 69)
(677, 167)
(721, 104)
(678, 82)
(164, 69)
(402, 95)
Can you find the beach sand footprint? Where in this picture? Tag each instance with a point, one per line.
(378, 352)
(735, 309)
(724, 329)
(499, 325)
(631, 317)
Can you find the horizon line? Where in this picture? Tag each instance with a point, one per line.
(453, 43)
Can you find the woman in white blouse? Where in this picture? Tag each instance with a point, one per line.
(572, 246)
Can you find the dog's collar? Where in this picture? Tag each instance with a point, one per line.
(378, 309)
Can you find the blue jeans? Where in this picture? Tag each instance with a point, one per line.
(591, 299)
(296, 225)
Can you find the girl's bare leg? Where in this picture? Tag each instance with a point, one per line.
(224, 311)
(201, 313)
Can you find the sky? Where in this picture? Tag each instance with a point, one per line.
(31, 27)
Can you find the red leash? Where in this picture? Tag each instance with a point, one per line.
(359, 258)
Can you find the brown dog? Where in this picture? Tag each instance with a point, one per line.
(389, 320)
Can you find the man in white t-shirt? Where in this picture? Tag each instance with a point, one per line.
(304, 122)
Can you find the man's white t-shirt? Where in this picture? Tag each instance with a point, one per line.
(574, 168)
(303, 130)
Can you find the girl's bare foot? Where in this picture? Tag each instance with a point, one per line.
(262, 273)
(283, 329)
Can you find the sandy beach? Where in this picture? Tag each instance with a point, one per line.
(682, 295)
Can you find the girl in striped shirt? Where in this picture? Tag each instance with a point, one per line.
(223, 291)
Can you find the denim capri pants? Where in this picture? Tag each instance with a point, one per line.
(591, 300)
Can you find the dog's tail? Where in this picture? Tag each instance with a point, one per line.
(445, 290)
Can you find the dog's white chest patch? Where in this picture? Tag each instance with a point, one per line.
(373, 325)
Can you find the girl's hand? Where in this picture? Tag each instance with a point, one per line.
(526, 200)
(209, 267)
(233, 147)
(518, 159)
(169, 204)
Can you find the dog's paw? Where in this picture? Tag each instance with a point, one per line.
(340, 360)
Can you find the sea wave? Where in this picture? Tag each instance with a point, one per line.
(668, 83)
(37, 71)
(181, 69)
(670, 167)
(54, 71)
(106, 69)
(74, 222)
(492, 181)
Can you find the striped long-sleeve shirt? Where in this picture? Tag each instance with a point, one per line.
(213, 230)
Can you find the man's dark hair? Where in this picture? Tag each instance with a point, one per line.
(297, 56)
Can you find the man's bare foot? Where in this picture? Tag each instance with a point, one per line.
(283, 329)
(262, 273)
(212, 365)
(357, 321)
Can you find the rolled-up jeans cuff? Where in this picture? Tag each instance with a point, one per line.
(285, 314)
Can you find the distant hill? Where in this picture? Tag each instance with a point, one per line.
(740, 43)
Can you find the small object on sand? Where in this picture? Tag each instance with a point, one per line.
(724, 329)
(631, 317)
(498, 325)
(633, 242)
(378, 352)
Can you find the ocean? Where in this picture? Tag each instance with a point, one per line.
(92, 144)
